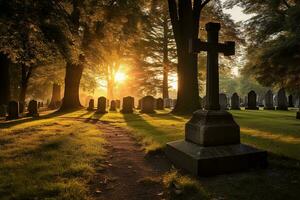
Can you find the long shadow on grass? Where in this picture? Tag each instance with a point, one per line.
(9, 124)
(94, 118)
(145, 129)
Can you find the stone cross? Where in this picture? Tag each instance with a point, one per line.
(213, 48)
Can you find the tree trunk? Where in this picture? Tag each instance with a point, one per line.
(25, 76)
(56, 98)
(165, 60)
(185, 22)
(4, 79)
(72, 82)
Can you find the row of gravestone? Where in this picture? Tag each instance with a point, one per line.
(147, 104)
(269, 102)
(12, 110)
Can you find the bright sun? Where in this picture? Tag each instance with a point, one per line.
(120, 77)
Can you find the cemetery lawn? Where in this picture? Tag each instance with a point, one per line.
(50, 158)
(278, 132)
(58, 155)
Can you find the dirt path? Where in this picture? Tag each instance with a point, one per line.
(128, 174)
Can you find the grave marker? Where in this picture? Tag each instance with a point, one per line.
(212, 137)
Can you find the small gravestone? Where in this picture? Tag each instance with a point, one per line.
(159, 104)
(113, 106)
(252, 101)
(101, 107)
(281, 100)
(128, 105)
(223, 101)
(269, 105)
(32, 109)
(167, 103)
(291, 101)
(235, 102)
(2, 111)
(118, 104)
(148, 104)
(91, 105)
(12, 110)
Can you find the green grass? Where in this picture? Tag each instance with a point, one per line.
(48, 159)
(55, 157)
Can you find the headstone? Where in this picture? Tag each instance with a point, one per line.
(118, 104)
(101, 107)
(269, 104)
(91, 105)
(282, 101)
(223, 101)
(159, 104)
(167, 103)
(32, 109)
(113, 106)
(128, 105)
(212, 137)
(12, 110)
(252, 101)
(235, 102)
(291, 101)
(2, 110)
(148, 104)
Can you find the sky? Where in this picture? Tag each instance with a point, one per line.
(237, 14)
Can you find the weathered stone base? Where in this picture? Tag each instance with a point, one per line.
(272, 108)
(208, 161)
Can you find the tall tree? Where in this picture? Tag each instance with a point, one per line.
(4, 79)
(273, 35)
(185, 18)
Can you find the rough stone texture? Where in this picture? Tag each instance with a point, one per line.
(33, 109)
(291, 101)
(148, 104)
(208, 161)
(12, 110)
(2, 110)
(204, 101)
(223, 101)
(101, 107)
(252, 101)
(159, 104)
(282, 101)
(235, 102)
(212, 128)
(91, 105)
(269, 104)
(128, 105)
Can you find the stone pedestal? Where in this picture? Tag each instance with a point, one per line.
(212, 128)
(212, 146)
(209, 161)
